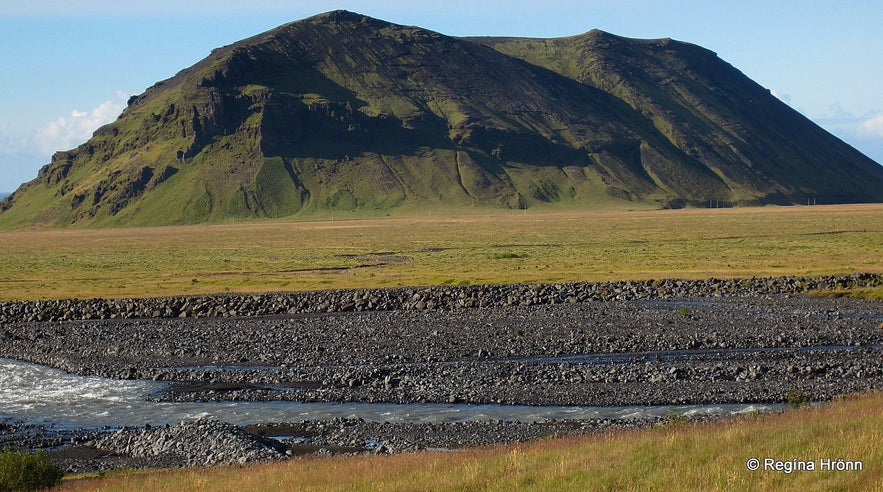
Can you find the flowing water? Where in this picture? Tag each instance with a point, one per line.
(37, 394)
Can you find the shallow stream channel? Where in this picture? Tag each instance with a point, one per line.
(40, 395)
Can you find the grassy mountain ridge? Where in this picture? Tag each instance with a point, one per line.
(711, 111)
(342, 112)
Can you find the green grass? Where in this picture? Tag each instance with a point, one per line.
(860, 292)
(709, 456)
(24, 470)
(468, 249)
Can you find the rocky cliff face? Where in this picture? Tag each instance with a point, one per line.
(342, 112)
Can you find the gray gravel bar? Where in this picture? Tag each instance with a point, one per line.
(419, 298)
(665, 342)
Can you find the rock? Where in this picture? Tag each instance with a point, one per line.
(200, 442)
(432, 298)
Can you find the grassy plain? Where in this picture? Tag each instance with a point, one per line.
(500, 248)
(466, 249)
(708, 456)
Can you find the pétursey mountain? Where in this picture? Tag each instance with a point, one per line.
(349, 114)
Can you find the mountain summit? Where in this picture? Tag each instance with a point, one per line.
(343, 112)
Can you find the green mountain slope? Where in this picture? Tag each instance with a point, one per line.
(759, 146)
(342, 112)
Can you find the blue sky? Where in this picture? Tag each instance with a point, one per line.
(68, 66)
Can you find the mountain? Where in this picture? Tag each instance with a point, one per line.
(342, 112)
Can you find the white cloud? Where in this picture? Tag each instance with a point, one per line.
(66, 132)
(23, 153)
(865, 133)
(872, 126)
(8, 143)
(837, 111)
(18, 161)
(785, 98)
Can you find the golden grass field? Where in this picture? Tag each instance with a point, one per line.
(705, 456)
(507, 247)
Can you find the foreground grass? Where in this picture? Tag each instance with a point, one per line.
(676, 457)
(503, 248)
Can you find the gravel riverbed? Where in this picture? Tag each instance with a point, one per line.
(627, 343)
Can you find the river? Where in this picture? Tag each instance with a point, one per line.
(36, 394)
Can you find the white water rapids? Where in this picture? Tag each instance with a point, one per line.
(36, 394)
